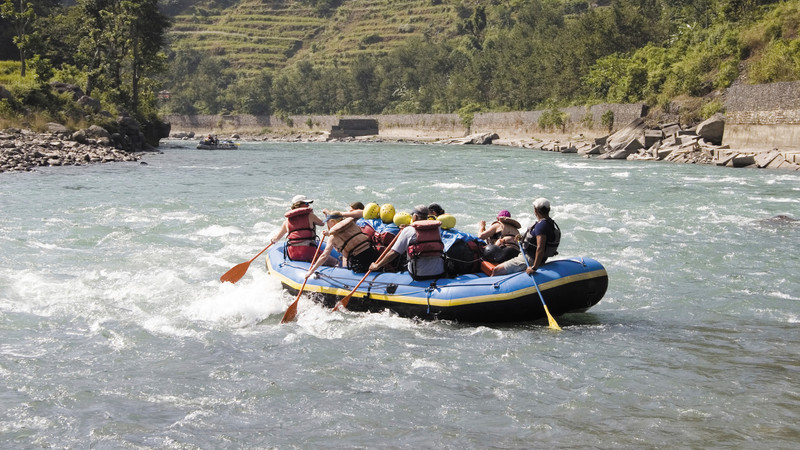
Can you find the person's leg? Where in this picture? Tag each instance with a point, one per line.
(513, 265)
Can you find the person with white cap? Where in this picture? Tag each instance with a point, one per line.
(540, 242)
(300, 224)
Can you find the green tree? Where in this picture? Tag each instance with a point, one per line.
(121, 46)
(21, 16)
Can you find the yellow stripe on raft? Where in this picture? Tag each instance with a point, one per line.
(442, 302)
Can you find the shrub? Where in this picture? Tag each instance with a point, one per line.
(552, 119)
(467, 113)
(607, 119)
(711, 108)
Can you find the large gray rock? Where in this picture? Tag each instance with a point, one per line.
(623, 137)
(97, 132)
(712, 129)
(90, 103)
(57, 128)
(5, 94)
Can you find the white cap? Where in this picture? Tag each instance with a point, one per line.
(301, 198)
(540, 203)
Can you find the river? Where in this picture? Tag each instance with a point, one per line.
(116, 333)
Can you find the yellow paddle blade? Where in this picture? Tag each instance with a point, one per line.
(551, 321)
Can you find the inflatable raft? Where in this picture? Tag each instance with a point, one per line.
(567, 285)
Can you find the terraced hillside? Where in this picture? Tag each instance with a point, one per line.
(258, 34)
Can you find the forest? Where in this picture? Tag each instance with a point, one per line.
(498, 55)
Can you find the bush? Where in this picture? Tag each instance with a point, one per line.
(607, 119)
(467, 113)
(552, 119)
(711, 108)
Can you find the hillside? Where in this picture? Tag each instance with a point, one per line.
(254, 35)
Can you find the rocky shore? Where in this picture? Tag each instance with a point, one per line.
(24, 150)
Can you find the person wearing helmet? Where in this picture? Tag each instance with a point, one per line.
(540, 242)
(387, 230)
(422, 242)
(502, 236)
(462, 250)
(348, 239)
(434, 211)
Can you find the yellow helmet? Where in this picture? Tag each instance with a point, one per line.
(372, 211)
(402, 218)
(387, 213)
(448, 221)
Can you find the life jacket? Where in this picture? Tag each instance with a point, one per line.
(302, 235)
(384, 235)
(348, 238)
(428, 241)
(551, 243)
(368, 226)
(510, 228)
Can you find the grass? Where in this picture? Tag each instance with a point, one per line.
(270, 28)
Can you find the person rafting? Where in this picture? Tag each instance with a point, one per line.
(434, 211)
(463, 251)
(356, 211)
(502, 236)
(540, 242)
(387, 230)
(300, 224)
(422, 242)
(348, 239)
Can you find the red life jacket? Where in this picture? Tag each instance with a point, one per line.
(428, 241)
(302, 235)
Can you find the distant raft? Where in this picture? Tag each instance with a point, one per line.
(567, 285)
(220, 145)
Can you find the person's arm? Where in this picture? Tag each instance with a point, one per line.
(541, 241)
(383, 260)
(489, 231)
(322, 258)
(281, 231)
(355, 213)
(314, 220)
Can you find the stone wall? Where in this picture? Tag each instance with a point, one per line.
(763, 117)
(519, 124)
(580, 119)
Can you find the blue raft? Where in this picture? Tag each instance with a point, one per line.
(567, 285)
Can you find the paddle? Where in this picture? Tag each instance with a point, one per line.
(343, 302)
(237, 272)
(291, 312)
(552, 322)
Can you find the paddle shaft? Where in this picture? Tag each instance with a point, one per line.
(550, 320)
(291, 311)
(343, 302)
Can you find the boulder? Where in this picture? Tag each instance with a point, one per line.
(712, 129)
(129, 125)
(57, 128)
(90, 103)
(5, 94)
(61, 88)
(622, 138)
(97, 132)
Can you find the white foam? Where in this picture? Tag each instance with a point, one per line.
(217, 231)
